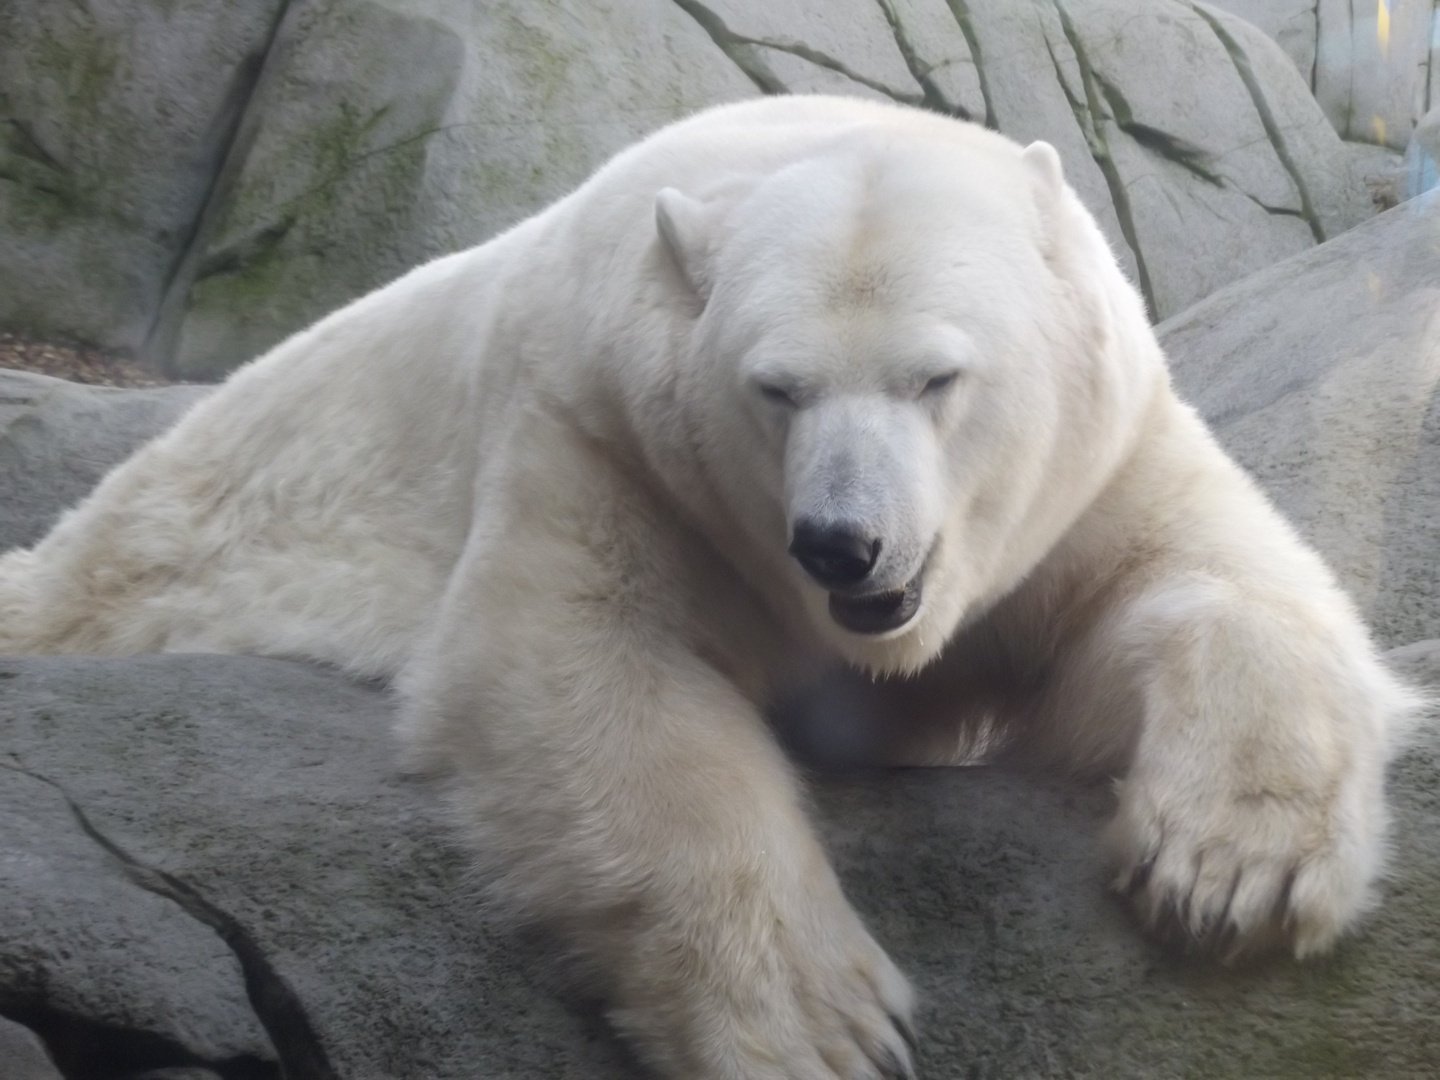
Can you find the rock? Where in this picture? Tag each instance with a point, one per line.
(370, 135)
(58, 438)
(1319, 375)
(382, 136)
(78, 937)
(1213, 125)
(114, 117)
(24, 1054)
(268, 790)
(1201, 186)
(1291, 24)
(1418, 662)
(859, 40)
(1370, 65)
(1380, 171)
(262, 797)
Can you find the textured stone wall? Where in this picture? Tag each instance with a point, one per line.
(195, 180)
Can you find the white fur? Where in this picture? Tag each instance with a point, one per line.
(543, 483)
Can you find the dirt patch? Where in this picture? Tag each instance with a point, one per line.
(78, 363)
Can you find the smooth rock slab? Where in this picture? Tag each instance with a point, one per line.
(58, 438)
(1292, 24)
(1320, 376)
(1374, 67)
(269, 789)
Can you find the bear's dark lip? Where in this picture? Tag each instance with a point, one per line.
(877, 613)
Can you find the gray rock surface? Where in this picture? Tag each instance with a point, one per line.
(1419, 662)
(24, 1054)
(388, 131)
(115, 116)
(261, 798)
(1373, 67)
(1320, 376)
(1370, 65)
(79, 935)
(1292, 24)
(1212, 126)
(58, 438)
(267, 789)
(373, 134)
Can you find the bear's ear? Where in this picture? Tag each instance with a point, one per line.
(1044, 164)
(686, 228)
(1047, 181)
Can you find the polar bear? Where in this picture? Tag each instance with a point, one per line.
(792, 381)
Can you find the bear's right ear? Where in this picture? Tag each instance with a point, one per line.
(687, 229)
(1047, 183)
(1044, 164)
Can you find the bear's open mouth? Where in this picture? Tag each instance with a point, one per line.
(877, 612)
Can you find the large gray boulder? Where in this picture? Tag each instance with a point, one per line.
(255, 861)
(361, 137)
(386, 132)
(1187, 132)
(1371, 66)
(1320, 376)
(79, 937)
(1292, 24)
(115, 117)
(1422, 156)
(58, 438)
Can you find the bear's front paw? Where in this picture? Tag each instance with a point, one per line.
(797, 994)
(1230, 871)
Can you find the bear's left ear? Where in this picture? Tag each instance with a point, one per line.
(1044, 164)
(687, 229)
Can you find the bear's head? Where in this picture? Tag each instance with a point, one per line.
(915, 363)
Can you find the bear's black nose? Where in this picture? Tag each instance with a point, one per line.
(834, 555)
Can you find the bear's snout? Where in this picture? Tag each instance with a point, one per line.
(838, 556)
(842, 557)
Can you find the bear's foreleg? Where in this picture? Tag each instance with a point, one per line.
(1253, 811)
(1212, 659)
(622, 792)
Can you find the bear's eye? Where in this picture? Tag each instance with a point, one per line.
(777, 395)
(938, 383)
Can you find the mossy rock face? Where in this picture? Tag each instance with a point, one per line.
(197, 179)
(113, 116)
(388, 133)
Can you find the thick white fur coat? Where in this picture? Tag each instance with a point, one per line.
(549, 484)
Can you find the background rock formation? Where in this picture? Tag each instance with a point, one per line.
(194, 181)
